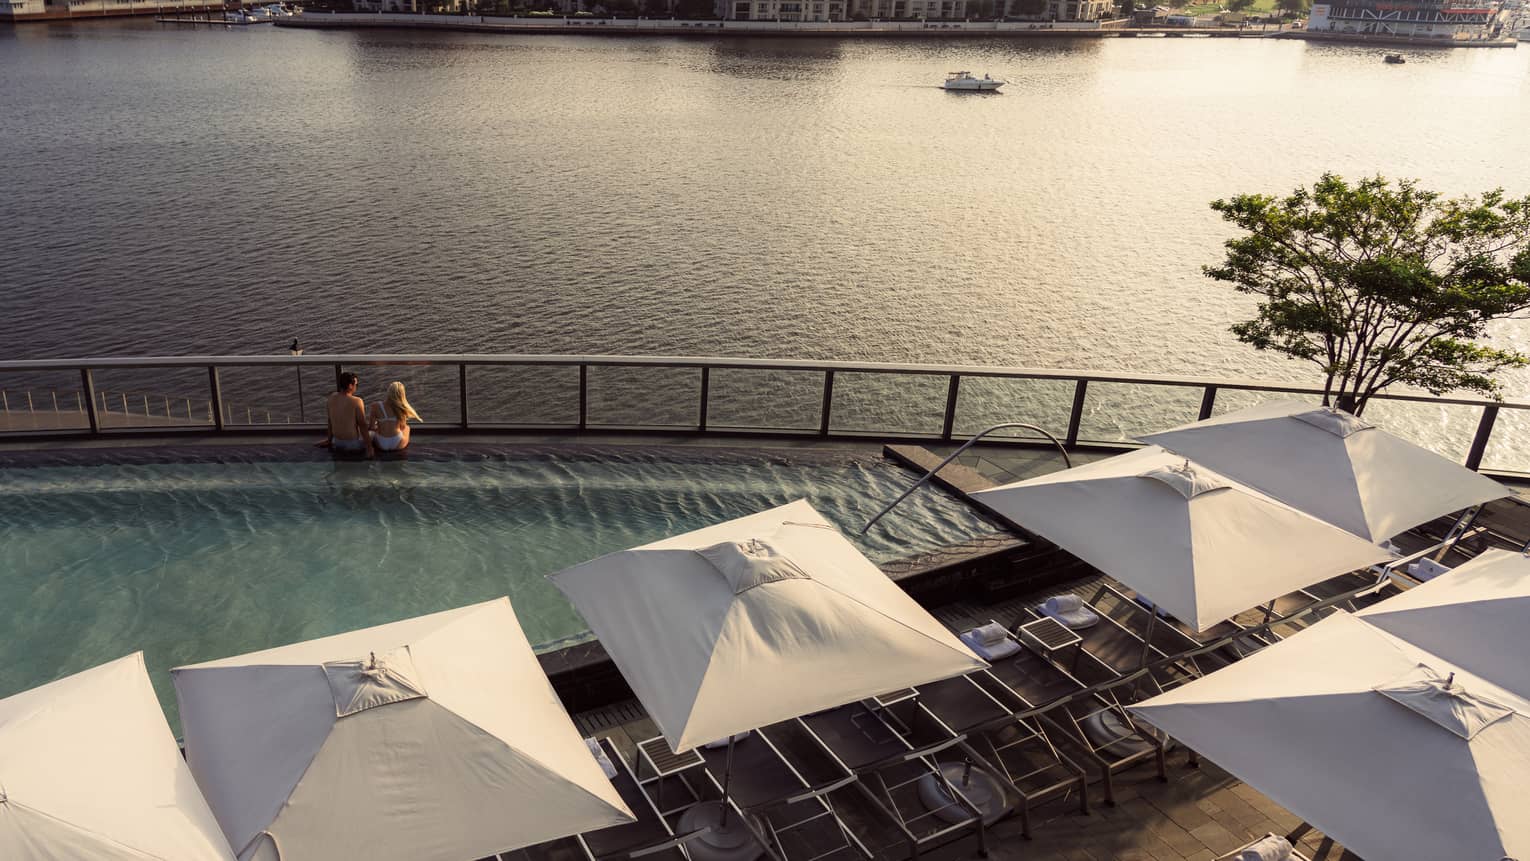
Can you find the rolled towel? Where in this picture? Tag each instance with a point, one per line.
(991, 634)
(1070, 610)
(600, 756)
(1269, 848)
(1064, 603)
(998, 651)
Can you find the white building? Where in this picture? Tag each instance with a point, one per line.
(1079, 10)
(784, 10)
(24, 10)
(1421, 19)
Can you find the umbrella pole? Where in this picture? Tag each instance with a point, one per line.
(722, 821)
(1147, 640)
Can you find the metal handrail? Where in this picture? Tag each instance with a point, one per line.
(1067, 464)
(826, 369)
(698, 362)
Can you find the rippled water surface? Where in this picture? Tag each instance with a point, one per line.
(195, 561)
(185, 190)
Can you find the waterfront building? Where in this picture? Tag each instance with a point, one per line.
(1427, 19)
(23, 10)
(386, 5)
(788, 10)
(1076, 10)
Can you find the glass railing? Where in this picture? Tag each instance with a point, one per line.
(684, 394)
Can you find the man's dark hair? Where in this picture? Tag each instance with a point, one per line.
(346, 380)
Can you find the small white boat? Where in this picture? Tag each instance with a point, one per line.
(239, 16)
(966, 81)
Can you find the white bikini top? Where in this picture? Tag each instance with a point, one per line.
(382, 406)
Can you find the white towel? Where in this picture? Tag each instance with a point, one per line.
(600, 757)
(998, 651)
(1270, 848)
(991, 634)
(1063, 604)
(1427, 569)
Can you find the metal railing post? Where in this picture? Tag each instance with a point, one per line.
(584, 389)
(1076, 416)
(462, 395)
(1208, 402)
(951, 394)
(1480, 440)
(88, 391)
(828, 403)
(706, 384)
(215, 389)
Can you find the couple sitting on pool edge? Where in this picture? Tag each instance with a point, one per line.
(354, 427)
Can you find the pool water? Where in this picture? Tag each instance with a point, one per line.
(191, 561)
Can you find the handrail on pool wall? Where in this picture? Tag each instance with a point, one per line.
(219, 421)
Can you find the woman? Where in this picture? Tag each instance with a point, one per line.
(389, 419)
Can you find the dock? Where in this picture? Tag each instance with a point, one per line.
(206, 20)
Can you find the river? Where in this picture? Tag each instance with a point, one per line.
(189, 190)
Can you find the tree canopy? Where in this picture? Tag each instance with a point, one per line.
(1381, 282)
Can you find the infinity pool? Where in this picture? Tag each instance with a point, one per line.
(233, 552)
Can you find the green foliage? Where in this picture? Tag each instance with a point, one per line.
(1380, 283)
(1293, 7)
(1240, 5)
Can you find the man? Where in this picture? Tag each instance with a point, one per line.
(348, 418)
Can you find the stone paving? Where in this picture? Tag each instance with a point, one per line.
(1199, 815)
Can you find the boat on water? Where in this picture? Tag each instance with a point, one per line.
(967, 82)
(1394, 58)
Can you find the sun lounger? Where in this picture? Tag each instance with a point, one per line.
(1015, 749)
(893, 747)
(1170, 636)
(1091, 720)
(649, 837)
(791, 816)
(1117, 653)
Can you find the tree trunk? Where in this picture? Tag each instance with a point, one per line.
(1347, 402)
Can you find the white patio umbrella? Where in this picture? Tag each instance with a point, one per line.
(1331, 465)
(89, 769)
(1474, 616)
(1393, 752)
(754, 621)
(1199, 545)
(436, 737)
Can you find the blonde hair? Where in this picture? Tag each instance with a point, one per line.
(397, 404)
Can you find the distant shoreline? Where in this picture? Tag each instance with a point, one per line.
(591, 26)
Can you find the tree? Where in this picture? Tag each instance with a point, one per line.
(1380, 282)
(1239, 5)
(1293, 7)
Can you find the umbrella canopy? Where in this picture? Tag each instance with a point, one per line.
(755, 621)
(89, 769)
(1200, 545)
(1370, 739)
(437, 737)
(1474, 616)
(1331, 465)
